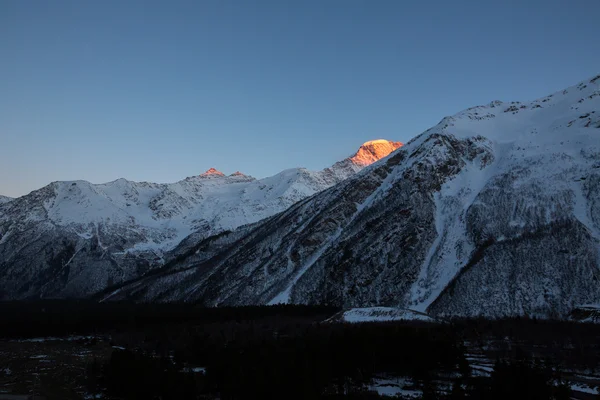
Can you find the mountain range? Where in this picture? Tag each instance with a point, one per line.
(73, 238)
(494, 211)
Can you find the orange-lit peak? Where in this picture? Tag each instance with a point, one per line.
(238, 173)
(376, 141)
(212, 172)
(374, 150)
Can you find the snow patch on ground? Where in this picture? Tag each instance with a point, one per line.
(585, 389)
(52, 339)
(395, 386)
(380, 314)
(196, 370)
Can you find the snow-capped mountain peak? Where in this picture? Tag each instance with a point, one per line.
(212, 173)
(374, 150)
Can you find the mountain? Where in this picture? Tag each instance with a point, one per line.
(372, 151)
(70, 239)
(494, 211)
(4, 199)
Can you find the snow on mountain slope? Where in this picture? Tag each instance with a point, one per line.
(5, 199)
(543, 151)
(74, 238)
(494, 211)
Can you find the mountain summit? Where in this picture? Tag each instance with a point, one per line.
(374, 150)
(212, 172)
(368, 153)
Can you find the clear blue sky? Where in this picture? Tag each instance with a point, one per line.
(161, 90)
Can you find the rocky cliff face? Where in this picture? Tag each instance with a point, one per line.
(494, 211)
(71, 239)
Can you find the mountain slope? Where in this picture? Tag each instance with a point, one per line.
(70, 239)
(5, 199)
(494, 211)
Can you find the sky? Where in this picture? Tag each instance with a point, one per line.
(161, 90)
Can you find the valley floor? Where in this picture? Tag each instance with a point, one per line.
(184, 352)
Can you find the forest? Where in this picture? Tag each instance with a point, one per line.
(182, 351)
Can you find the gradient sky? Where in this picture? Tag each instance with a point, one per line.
(160, 90)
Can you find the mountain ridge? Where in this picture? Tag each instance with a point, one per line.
(493, 212)
(94, 235)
